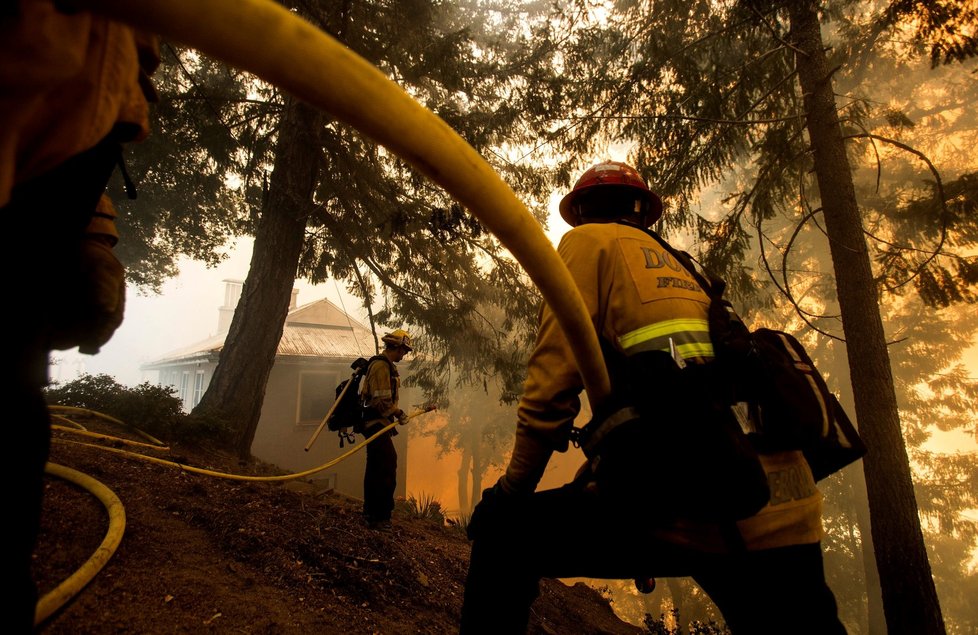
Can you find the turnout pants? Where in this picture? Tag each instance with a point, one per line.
(568, 533)
(380, 478)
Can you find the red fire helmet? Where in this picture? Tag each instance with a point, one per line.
(611, 173)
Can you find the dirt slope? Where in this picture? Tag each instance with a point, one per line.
(206, 554)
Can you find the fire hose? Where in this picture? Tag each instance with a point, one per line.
(71, 586)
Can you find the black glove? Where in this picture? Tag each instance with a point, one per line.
(494, 511)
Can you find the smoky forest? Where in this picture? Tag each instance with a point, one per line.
(817, 155)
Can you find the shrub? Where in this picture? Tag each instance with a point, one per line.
(147, 407)
(204, 428)
(460, 524)
(661, 627)
(425, 508)
(94, 392)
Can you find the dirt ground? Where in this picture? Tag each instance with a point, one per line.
(204, 553)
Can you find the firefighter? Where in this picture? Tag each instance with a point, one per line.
(764, 573)
(74, 88)
(379, 395)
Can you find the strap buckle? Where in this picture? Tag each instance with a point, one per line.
(591, 435)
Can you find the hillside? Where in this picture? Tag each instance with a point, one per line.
(203, 553)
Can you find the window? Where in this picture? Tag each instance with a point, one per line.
(317, 392)
(198, 388)
(185, 390)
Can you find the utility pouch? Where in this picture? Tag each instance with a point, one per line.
(666, 443)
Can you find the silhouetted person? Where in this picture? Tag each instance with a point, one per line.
(379, 395)
(73, 88)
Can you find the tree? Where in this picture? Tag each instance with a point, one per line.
(205, 128)
(481, 428)
(933, 390)
(237, 389)
(909, 596)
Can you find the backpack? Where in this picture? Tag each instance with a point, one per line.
(771, 373)
(347, 411)
(794, 407)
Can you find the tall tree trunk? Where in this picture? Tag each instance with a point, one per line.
(478, 466)
(462, 482)
(875, 619)
(909, 597)
(237, 390)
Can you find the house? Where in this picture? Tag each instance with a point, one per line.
(319, 343)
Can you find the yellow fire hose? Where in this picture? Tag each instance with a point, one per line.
(67, 422)
(300, 58)
(96, 435)
(242, 477)
(54, 409)
(70, 587)
(53, 600)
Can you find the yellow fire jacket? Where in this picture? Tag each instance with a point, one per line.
(640, 298)
(379, 393)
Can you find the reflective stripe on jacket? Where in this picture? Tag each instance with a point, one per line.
(638, 297)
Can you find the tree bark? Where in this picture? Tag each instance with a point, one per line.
(462, 482)
(478, 466)
(910, 600)
(237, 390)
(875, 619)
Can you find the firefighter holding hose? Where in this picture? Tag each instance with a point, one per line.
(764, 572)
(379, 394)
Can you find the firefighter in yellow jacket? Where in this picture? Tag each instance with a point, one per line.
(379, 395)
(768, 579)
(74, 88)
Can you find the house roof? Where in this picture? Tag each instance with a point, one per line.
(318, 329)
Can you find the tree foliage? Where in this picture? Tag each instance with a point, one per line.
(943, 28)
(195, 177)
(409, 251)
